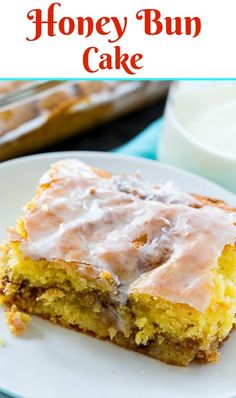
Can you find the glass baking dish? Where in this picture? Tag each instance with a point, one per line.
(35, 114)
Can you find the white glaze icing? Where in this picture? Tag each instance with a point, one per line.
(87, 218)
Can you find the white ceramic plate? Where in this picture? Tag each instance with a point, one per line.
(51, 362)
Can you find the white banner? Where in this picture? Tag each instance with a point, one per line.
(122, 39)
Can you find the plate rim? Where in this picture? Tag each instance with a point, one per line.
(101, 154)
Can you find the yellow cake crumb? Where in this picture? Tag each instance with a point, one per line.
(51, 295)
(112, 332)
(17, 321)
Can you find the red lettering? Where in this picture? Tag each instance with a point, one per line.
(81, 26)
(198, 26)
(86, 59)
(121, 60)
(106, 61)
(50, 20)
(120, 30)
(101, 22)
(170, 26)
(177, 29)
(134, 60)
(152, 23)
(35, 16)
(70, 26)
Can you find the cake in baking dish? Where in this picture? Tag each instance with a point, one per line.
(36, 114)
(147, 266)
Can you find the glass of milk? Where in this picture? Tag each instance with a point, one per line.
(200, 130)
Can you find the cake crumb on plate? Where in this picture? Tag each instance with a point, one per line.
(17, 321)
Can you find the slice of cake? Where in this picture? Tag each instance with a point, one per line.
(147, 266)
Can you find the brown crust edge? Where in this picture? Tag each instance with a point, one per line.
(209, 201)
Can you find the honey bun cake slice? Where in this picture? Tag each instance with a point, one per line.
(149, 267)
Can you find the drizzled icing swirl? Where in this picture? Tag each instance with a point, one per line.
(155, 239)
